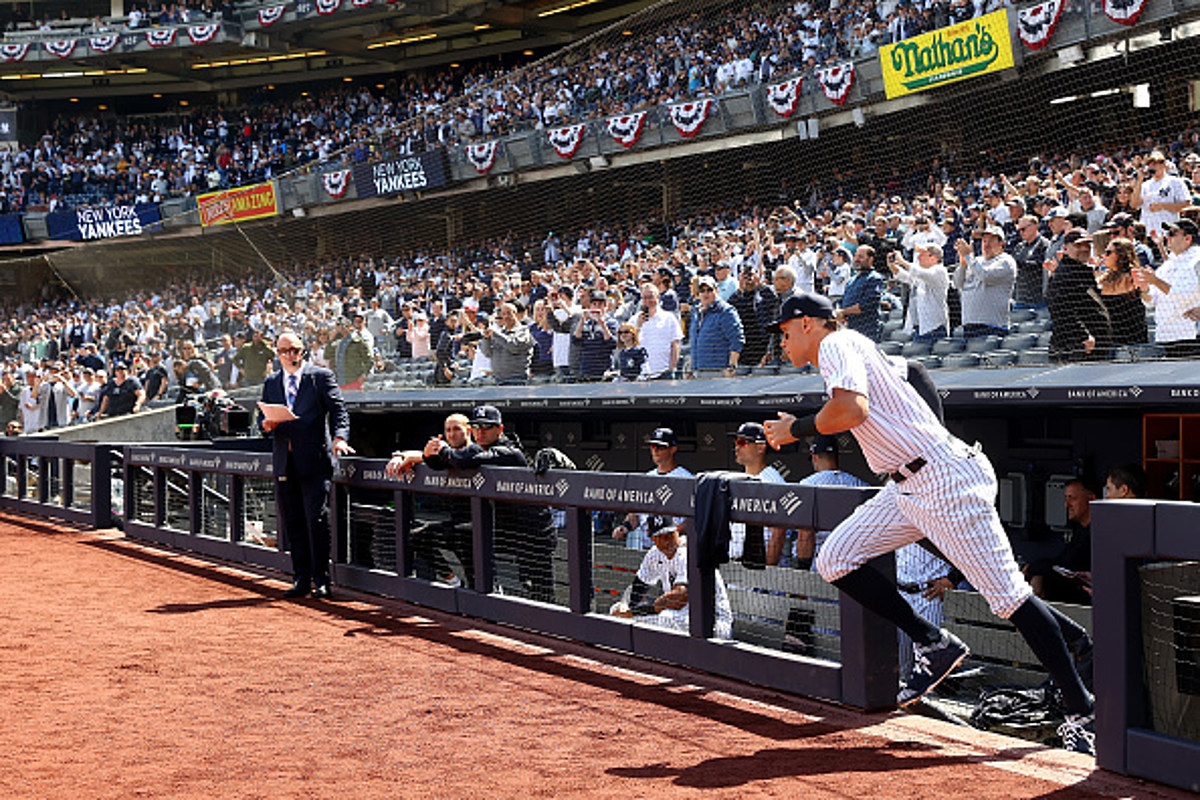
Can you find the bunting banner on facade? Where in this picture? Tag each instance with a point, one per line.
(270, 15)
(102, 44)
(328, 6)
(62, 49)
(784, 97)
(336, 183)
(1036, 25)
(688, 118)
(1125, 12)
(627, 129)
(161, 38)
(13, 52)
(482, 156)
(566, 141)
(836, 81)
(200, 34)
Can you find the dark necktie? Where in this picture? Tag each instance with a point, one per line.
(293, 384)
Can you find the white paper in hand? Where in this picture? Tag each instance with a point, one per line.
(276, 412)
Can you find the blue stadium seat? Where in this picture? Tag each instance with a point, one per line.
(931, 362)
(892, 325)
(1034, 326)
(983, 344)
(946, 347)
(891, 348)
(900, 335)
(914, 349)
(1021, 315)
(1043, 339)
(1019, 341)
(1000, 358)
(961, 360)
(1034, 357)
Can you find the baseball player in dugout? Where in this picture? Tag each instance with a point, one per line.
(305, 449)
(941, 489)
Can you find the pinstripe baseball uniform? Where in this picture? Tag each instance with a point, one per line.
(950, 498)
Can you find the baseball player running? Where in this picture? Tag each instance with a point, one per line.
(941, 488)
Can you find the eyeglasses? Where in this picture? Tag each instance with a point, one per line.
(655, 446)
(707, 290)
(744, 442)
(483, 426)
(290, 351)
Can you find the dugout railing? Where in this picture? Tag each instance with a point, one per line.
(221, 504)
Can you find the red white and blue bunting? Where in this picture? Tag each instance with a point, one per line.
(328, 6)
(362, 3)
(1125, 12)
(13, 52)
(200, 34)
(836, 81)
(102, 44)
(784, 97)
(63, 49)
(482, 156)
(1036, 25)
(688, 118)
(270, 15)
(566, 141)
(162, 37)
(336, 183)
(628, 129)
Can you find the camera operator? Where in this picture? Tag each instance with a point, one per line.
(193, 373)
(55, 396)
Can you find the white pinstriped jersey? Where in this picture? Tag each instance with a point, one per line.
(899, 426)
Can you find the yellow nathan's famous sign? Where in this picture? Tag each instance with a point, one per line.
(975, 47)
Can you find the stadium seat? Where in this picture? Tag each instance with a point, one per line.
(892, 325)
(1043, 339)
(770, 369)
(891, 348)
(1033, 326)
(1019, 341)
(900, 335)
(1034, 357)
(946, 347)
(1148, 352)
(1000, 358)
(961, 360)
(1017, 315)
(915, 349)
(931, 362)
(983, 344)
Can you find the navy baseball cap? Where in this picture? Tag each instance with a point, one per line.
(1183, 225)
(750, 431)
(662, 436)
(823, 443)
(486, 415)
(803, 304)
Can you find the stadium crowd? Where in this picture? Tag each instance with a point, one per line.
(960, 261)
(89, 160)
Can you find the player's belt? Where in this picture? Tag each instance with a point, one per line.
(911, 588)
(908, 470)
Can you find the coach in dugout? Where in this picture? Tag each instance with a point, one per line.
(523, 531)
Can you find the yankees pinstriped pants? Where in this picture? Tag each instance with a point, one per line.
(951, 500)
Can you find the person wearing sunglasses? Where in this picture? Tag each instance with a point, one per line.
(522, 531)
(305, 450)
(750, 452)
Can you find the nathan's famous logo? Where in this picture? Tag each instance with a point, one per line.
(946, 55)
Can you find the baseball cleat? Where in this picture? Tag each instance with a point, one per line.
(931, 664)
(1078, 733)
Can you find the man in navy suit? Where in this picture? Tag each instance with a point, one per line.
(304, 455)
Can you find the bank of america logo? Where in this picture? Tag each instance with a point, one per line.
(790, 502)
(664, 493)
(594, 463)
(478, 480)
(562, 486)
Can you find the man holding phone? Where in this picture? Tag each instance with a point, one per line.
(659, 332)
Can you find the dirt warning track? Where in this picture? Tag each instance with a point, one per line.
(128, 671)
